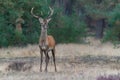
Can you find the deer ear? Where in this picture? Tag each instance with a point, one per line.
(48, 20)
(41, 20)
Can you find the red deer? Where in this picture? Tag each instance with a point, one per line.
(46, 42)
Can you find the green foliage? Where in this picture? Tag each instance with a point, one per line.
(4, 32)
(11, 10)
(64, 28)
(113, 32)
(96, 9)
(68, 29)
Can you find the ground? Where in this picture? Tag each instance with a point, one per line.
(74, 62)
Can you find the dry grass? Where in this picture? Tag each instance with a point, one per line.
(69, 66)
(62, 50)
(30, 50)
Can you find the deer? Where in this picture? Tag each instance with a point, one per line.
(46, 42)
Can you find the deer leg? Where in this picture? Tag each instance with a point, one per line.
(53, 53)
(41, 59)
(47, 60)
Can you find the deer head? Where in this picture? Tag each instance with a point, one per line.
(43, 22)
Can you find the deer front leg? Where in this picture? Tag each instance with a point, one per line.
(46, 60)
(53, 53)
(41, 59)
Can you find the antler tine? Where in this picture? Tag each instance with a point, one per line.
(51, 12)
(33, 13)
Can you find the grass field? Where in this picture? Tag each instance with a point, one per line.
(74, 62)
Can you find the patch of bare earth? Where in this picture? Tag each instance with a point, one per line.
(74, 62)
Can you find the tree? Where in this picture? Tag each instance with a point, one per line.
(17, 26)
(96, 12)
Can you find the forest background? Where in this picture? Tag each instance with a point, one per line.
(72, 21)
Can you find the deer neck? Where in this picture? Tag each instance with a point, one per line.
(43, 40)
(43, 35)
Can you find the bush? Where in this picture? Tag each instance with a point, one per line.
(68, 29)
(6, 32)
(113, 32)
(64, 28)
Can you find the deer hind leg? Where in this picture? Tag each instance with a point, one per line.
(46, 60)
(53, 54)
(41, 59)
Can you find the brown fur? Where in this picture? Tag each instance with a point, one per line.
(51, 41)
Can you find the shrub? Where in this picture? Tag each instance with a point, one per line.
(113, 32)
(64, 28)
(68, 29)
(6, 31)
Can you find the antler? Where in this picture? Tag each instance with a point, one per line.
(33, 13)
(51, 12)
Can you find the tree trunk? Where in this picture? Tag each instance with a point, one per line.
(19, 27)
(66, 4)
(19, 22)
(100, 24)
